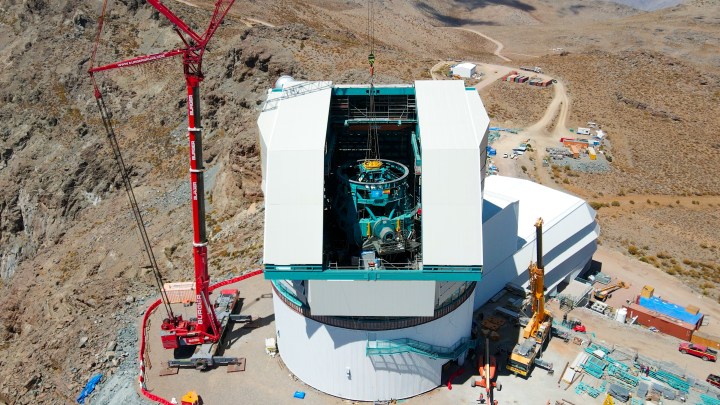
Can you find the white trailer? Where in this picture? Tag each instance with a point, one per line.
(583, 131)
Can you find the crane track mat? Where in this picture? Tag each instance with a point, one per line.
(240, 366)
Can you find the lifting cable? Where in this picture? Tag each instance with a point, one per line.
(373, 146)
(107, 123)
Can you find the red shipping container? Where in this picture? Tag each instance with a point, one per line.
(663, 323)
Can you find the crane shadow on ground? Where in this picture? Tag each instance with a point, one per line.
(240, 330)
(241, 302)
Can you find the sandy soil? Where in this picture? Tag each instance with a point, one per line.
(68, 243)
(265, 379)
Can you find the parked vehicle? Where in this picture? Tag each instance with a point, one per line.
(713, 380)
(703, 352)
(535, 69)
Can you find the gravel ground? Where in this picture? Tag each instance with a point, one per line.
(120, 388)
(585, 165)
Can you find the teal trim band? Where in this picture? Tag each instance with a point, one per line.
(316, 272)
(293, 268)
(379, 91)
(460, 269)
(287, 294)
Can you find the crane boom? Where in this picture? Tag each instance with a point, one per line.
(537, 272)
(537, 332)
(206, 327)
(537, 288)
(180, 24)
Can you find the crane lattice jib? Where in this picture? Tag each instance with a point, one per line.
(207, 327)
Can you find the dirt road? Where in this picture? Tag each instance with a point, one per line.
(499, 45)
(545, 132)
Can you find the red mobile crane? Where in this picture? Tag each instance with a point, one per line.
(175, 330)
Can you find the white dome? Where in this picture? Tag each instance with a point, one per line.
(282, 81)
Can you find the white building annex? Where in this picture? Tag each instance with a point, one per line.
(511, 207)
(382, 234)
(465, 70)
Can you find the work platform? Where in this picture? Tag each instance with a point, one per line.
(263, 374)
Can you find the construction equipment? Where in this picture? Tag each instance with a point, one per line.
(523, 357)
(604, 293)
(535, 69)
(190, 398)
(541, 320)
(206, 328)
(537, 332)
(487, 366)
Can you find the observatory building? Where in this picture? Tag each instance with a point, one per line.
(382, 234)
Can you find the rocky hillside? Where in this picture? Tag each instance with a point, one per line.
(73, 276)
(71, 262)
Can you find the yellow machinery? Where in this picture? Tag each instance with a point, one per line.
(191, 398)
(537, 331)
(605, 293)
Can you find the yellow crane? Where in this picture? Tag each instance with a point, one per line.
(537, 331)
(541, 321)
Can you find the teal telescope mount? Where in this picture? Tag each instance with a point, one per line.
(375, 206)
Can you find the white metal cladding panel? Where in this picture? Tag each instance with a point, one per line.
(266, 125)
(500, 239)
(352, 298)
(294, 180)
(514, 269)
(481, 121)
(479, 116)
(451, 184)
(320, 355)
(447, 290)
(535, 201)
(577, 250)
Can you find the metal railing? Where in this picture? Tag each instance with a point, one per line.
(294, 91)
(405, 345)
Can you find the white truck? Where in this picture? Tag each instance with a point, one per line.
(535, 69)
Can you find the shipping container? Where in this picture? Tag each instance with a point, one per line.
(706, 339)
(663, 323)
(505, 78)
(180, 292)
